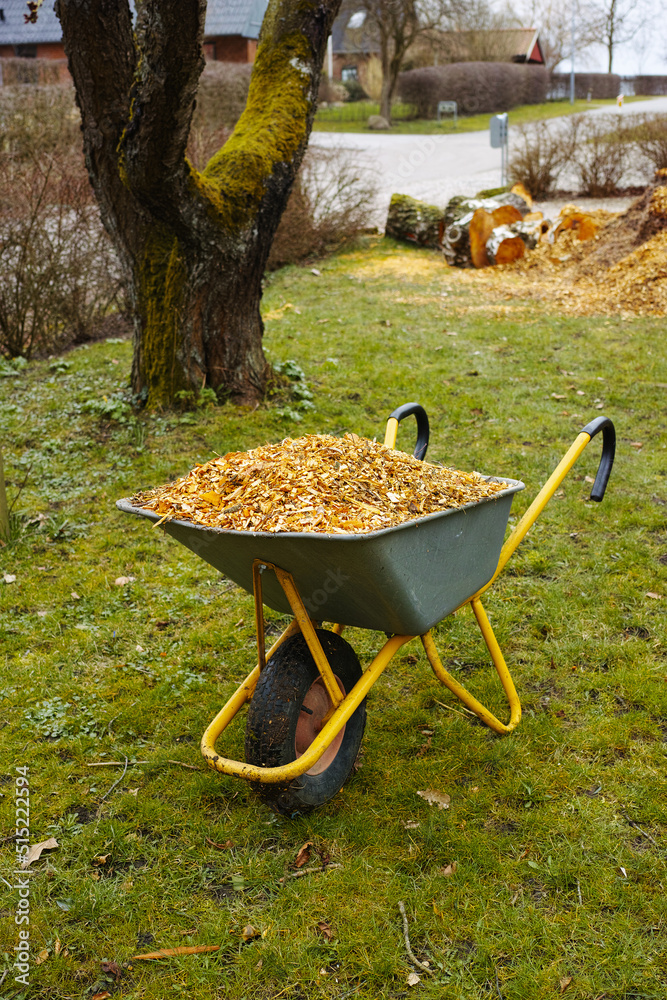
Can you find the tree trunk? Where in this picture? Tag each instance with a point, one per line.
(414, 221)
(193, 244)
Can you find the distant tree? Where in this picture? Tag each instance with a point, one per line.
(553, 19)
(617, 22)
(193, 244)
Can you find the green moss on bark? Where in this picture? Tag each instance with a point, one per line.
(270, 131)
(163, 282)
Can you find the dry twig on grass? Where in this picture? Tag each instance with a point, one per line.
(406, 938)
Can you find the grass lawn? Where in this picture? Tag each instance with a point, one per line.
(349, 118)
(546, 875)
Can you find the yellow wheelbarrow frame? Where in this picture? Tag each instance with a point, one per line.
(344, 707)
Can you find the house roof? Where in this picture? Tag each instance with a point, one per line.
(352, 34)
(223, 17)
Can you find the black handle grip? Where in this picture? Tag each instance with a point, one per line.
(605, 425)
(406, 410)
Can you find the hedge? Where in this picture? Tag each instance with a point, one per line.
(477, 87)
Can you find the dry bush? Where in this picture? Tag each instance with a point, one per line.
(59, 274)
(539, 152)
(328, 206)
(18, 70)
(477, 87)
(331, 91)
(600, 152)
(222, 96)
(649, 132)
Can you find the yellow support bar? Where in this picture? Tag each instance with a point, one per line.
(287, 772)
(309, 634)
(536, 508)
(391, 433)
(487, 717)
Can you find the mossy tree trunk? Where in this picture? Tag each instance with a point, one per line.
(193, 244)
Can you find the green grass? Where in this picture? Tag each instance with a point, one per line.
(553, 884)
(348, 117)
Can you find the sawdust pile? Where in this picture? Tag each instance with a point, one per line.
(622, 269)
(315, 483)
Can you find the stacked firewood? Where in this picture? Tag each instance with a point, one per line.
(485, 230)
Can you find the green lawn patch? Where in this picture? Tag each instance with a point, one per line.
(354, 116)
(545, 877)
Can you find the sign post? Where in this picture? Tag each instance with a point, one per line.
(499, 131)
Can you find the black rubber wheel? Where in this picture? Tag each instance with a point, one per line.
(286, 714)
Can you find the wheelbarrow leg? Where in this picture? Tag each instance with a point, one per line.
(471, 702)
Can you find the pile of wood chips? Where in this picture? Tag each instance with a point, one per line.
(315, 483)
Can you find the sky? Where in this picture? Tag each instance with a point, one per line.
(645, 54)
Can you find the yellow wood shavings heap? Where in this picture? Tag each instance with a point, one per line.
(315, 483)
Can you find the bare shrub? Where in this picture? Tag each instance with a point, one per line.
(329, 205)
(60, 276)
(539, 152)
(477, 87)
(650, 134)
(600, 152)
(222, 96)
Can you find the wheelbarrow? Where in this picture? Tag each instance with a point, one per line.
(307, 693)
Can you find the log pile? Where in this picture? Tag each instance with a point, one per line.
(483, 231)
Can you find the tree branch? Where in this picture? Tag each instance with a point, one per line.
(169, 39)
(100, 51)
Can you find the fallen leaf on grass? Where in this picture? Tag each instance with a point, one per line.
(636, 444)
(564, 983)
(413, 979)
(449, 869)
(588, 479)
(57, 948)
(9, 577)
(652, 593)
(303, 857)
(76, 597)
(249, 933)
(436, 798)
(410, 824)
(101, 996)
(556, 395)
(36, 850)
(101, 859)
(111, 969)
(325, 930)
(219, 847)
(121, 581)
(42, 957)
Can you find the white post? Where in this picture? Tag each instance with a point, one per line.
(330, 58)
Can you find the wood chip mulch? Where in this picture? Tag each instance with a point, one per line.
(317, 483)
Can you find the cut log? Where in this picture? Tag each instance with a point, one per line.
(506, 215)
(505, 246)
(457, 219)
(584, 225)
(509, 243)
(414, 221)
(523, 193)
(481, 226)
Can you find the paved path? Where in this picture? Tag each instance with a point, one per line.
(433, 168)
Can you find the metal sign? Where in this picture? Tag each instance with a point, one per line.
(447, 108)
(499, 133)
(499, 130)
